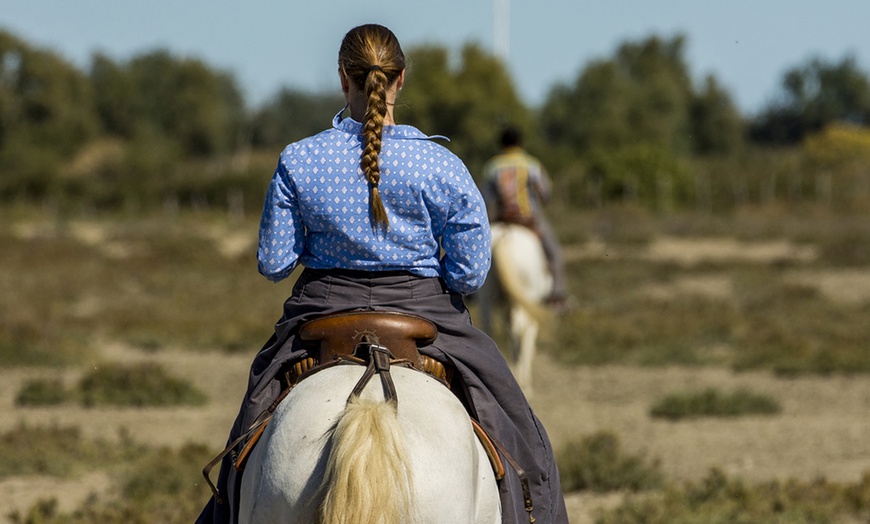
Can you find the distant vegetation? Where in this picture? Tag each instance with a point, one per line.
(137, 385)
(713, 403)
(762, 318)
(721, 499)
(59, 451)
(152, 484)
(597, 463)
(165, 132)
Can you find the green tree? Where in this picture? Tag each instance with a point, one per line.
(116, 96)
(627, 123)
(430, 98)
(489, 102)
(812, 96)
(643, 94)
(838, 157)
(46, 114)
(292, 115)
(837, 146)
(468, 103)
(717, 126)
(199, 107)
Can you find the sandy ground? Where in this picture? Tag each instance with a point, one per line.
(822, 430)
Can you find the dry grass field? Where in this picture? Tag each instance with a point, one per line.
(184, 294)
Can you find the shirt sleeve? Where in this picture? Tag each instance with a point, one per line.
(282, 232)
(543, 184)
(466, 240)
(489, 192)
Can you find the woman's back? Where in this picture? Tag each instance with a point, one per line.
(317, 209)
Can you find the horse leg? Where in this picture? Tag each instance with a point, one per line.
(524, 339)
(528, 347)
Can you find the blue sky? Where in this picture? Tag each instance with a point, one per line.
(747, 44)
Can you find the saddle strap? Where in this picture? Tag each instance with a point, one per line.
(379, 363)
(524, 479)
(488, 446)
(256, 429)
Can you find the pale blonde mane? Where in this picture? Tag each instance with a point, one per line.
(366, 480)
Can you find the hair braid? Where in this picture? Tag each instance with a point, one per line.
(371, 57)
(373, 128)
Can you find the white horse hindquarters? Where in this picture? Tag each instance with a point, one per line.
(282, 476)
(524, 276)
(454, 479)
(451, 477)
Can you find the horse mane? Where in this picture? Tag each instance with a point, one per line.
(365, 479)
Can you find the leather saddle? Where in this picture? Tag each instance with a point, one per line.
(341, 334)
(346, 336)
(351, 337)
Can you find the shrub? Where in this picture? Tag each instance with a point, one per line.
(643, 331)
(56, 450)
(42, 392)
(159, 485)
(718, 499)
(597, 463)
(713, 403)
(145, 384)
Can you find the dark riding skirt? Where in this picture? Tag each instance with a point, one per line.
(495, 397)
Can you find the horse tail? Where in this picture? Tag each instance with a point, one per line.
(366, 480)
(511, 283)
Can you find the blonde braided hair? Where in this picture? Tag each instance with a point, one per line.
(371, 57)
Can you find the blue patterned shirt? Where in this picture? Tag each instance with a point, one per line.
(317, 209)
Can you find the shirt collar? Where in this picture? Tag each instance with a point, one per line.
(351, 126)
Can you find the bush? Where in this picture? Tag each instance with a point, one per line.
(718, 499)
(145, 384)
(597, 463)
(41, 392)
(159, 485)
(712, 403)
(644, 331)
(56, 450)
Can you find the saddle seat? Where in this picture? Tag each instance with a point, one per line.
(341, 334)
(344, 336)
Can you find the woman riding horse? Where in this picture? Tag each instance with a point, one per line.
(367, 207)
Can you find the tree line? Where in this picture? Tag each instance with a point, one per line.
(159, 129)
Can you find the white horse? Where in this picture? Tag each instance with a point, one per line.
(522, 282)
(325, 460)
